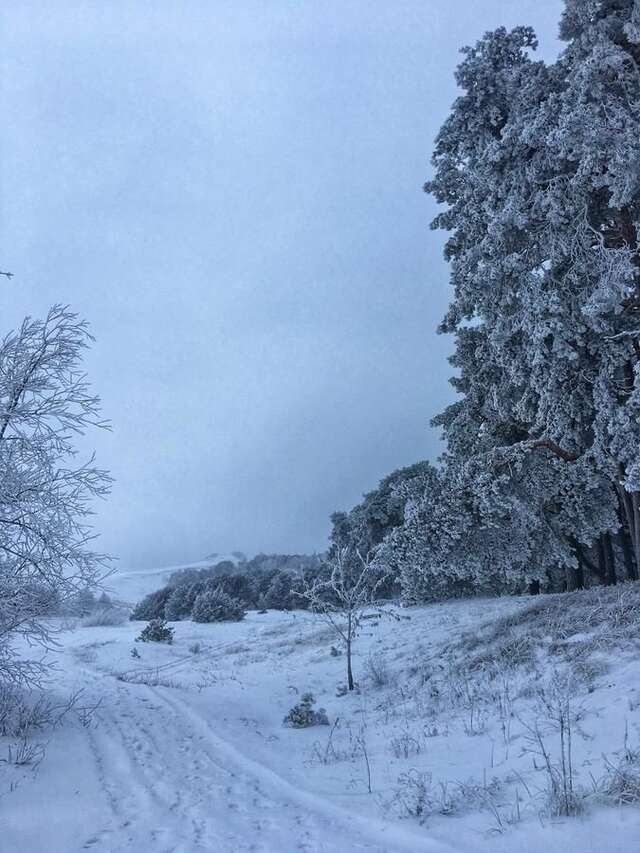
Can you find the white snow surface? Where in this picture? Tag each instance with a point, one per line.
(198, 759)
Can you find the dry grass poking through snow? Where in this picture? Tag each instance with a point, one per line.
(573, 627)
(526, 692)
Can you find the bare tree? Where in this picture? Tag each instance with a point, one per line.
(45, 497)
(341, 597)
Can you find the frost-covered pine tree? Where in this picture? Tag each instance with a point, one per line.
(45, 495)
(596, 146)
(541, 209)
(365, 527)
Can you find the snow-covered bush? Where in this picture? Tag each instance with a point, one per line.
(157, 631)
(377, 670)
(23, 712)
(214, 605)
(415, 796)
(152, 605)
(558, 715)
(106, 617)
(303, 715)
(418, 796)
(405, 745)
(621, 783)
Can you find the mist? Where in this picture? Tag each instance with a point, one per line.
(231, 194)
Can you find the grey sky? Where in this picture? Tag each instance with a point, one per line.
(230, 192)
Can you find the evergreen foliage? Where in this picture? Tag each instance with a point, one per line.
(303, 715)
(152, 605)
(538, 484)
(215, 605)
(157, 631)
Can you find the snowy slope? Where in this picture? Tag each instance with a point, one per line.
(130, 585)
(187, 751)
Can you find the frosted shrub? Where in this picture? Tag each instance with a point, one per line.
(621, 783)
(405, 745)
(214, 605)
(559, 715)
(377, 670)
(157, 631)
(414, 796)
(23, 712)
(302, 715)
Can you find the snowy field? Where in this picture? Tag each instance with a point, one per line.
(187, 751)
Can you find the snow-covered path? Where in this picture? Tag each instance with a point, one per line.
(186, 751)
(155, 771)
(172, 784)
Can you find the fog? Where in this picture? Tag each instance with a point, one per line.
(230, 193)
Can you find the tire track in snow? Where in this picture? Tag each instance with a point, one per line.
(175, 786)
(327, 827)
(165, 791)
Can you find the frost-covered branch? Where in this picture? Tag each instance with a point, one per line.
(340, 597)
(46, 497)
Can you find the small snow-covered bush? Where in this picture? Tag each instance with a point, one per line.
(303, 715)
(377, 670)
(157, 631)
(621, 783)
(106, 616)
(15, 712)
(23, 712)
(214, 605)
(417, 796)
(405, 745)
(559, 712)
(24, 753)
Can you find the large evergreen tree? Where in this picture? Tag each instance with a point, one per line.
(538, 168)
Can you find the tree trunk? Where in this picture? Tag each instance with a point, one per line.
(610, 561)
(574, 578)
(602, 560)
(350, 683)
(629, 503)
(585, 562)
(627, 552)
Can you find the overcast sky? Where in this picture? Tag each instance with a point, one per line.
(230, 192)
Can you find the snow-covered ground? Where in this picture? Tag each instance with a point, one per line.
(187, 751)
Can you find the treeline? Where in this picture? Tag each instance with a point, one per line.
(267, 581)
(537, 169)
(538, 489)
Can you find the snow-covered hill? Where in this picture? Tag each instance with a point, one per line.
(442, 747)
(130, 585)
